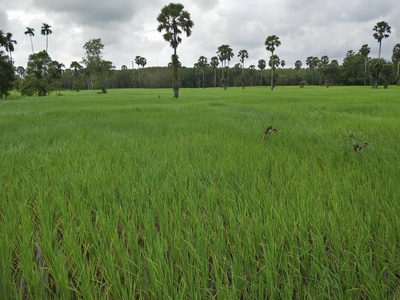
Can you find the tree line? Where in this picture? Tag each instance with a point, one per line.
(44, 75)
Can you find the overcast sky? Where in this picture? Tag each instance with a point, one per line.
(129, 28)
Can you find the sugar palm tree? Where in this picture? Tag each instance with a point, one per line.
(283, 63)
(214, 63)
(9, 44)
(202, 63)
(174, 20)
(45, 30)
(31, 32)
(364, 51)
(242, 55)
(237, 69)
(261, 65)
(140, 61)
(252, 71)
(225, 53)
(396, 58)
(271, 43)
(382, 30)
(298, 64)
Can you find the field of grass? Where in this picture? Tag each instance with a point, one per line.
(136, 195)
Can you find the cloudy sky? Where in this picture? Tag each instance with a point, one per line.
(128, 28)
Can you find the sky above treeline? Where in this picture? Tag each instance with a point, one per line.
(128, 28)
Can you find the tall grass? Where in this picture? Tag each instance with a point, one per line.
(134, 194)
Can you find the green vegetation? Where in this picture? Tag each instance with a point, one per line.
(174, 21)
(132, 194)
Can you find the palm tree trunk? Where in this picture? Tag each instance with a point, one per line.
(365, 72)
(272, 78)
(215, 77)
(272, 73)
(32, 45)
(380, 44)
(175, 74)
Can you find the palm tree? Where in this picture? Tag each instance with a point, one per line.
(261, 65)
(214, 63)
(382, 30)
(274, 62)
(364, 51)
(140, 61)
(31, 32)
(2, 39)
(76, 69)
(45, 30)
(309, 62)
(221, 56)
(298, 65)
(396, 57)
(202, 63)
(236, 71)
(9, 44)
(283, 63)
(242, 55)
(252, 70)
(225, 53)
(271, 43)
(173, 19)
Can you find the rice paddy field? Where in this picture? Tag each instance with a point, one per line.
(136, 195)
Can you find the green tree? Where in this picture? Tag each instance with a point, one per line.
(95, 65)
(6, 74)
(364, 51)
(323, 69)
(261, 65)
(274, 62)
(37, 79)
(214, 63)
(55, 69)
(225, 53)
(237, 70)
(252, 71)
(396, 59)
(387, 74)
(298, 65)
(375, 68)
(283, 63)
(31, 32)
(243, 54)
(333, 68)
(382, 31)
(76, 69)
(352, 71)
(202, 63)
(271, 43)
(2, 39)
(45, 30)
(141, 62)
(174, 20)
(9, 44)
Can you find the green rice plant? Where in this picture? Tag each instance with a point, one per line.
(134, 194)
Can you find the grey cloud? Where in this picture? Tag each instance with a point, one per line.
(3, 19)
(95, 13)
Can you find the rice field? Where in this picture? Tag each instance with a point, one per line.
(136, 195)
